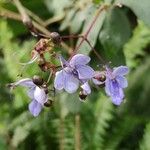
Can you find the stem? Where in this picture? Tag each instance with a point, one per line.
(9, 14)
(88, 42)
(95, 52)
(90, 27)
(25, 18)
(61, 131)
(53, 20)
(77, 132)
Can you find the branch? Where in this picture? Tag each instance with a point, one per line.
(90, 27)
(26, 19)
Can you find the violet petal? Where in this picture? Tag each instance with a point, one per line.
(86, 88)
(123, 83)
(71, 83)
(35, 108)
(85, 72)
(27, 82)
(120, 71)
(58, 81)
(40, 95)
(79, 59)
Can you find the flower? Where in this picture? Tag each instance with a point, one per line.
(115, 83)
(74, 72)
(36, 93)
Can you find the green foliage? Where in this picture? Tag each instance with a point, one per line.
(135, 47)
(141, 9)
(113, 37)
(101, 126)
(144, 144)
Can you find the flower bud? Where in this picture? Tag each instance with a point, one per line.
(49, 103)
(82, 95)
(46, 90)
(55, 37)
(100, 77)
(37, 80)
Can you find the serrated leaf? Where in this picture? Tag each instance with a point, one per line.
(140, 8)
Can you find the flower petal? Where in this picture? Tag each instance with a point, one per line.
(71, 83)
(108, 87)
(123, 83)
(86, 88)
(63, 61)
(120, 71)
(85, 72)
(58, 81)
(79, 59)
(114, 91)
(35, 108)
(40, 95)
(31, 92)
(117, 98)
(27, 82)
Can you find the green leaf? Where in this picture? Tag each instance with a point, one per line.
(140, 8)
(66, 22)
(145, 144)
(138, 91)
(77, 21)
(93, 34)
(115, 33)
(96, 1)
(135, 46)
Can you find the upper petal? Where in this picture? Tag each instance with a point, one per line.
(40, 95)
(123, 83)
(27, 82)
(58, 81)
(79, 59)
(120, 71)
(86, 88)
(71, 83)
(63, 61)
(35, 108)
(85, 72)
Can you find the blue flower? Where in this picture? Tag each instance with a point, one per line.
(36, 93)
(73, 72)
(115, 83)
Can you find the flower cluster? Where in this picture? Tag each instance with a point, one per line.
(76, 74)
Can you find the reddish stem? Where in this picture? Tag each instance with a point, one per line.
(90, 27)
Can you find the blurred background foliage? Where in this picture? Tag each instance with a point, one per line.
(121, 35)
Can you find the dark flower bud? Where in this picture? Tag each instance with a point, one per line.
(37, 80)
(82, 95)
(46, 90)
(44, 86)
(100, 77)
(55, 37)
(49, 103)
